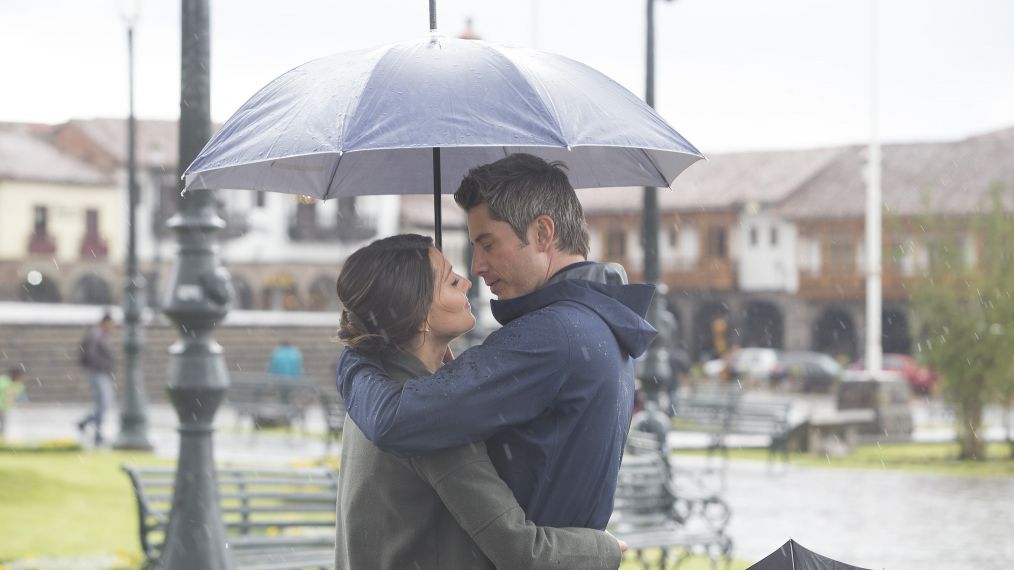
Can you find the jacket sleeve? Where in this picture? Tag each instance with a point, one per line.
(486, 509)
(510, 379)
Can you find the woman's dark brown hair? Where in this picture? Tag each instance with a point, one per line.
(385, 289)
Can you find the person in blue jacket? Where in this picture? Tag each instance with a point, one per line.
(286, 360)
(551, 392)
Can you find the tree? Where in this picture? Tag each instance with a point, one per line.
(967, 311)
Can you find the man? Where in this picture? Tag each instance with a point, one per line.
(97, 360)
(552, 391)
(286, 360)
(11, 390)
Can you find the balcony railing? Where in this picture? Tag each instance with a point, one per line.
(94, 247)
(851, 286)
(350, 230)
(41, 244)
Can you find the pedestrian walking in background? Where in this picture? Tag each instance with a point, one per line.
(11, 390)
(96, 358)
(286, 360)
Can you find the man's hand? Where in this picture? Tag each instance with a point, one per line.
(623, 545)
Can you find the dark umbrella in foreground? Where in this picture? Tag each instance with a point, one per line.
(792, 556)
(389, 120)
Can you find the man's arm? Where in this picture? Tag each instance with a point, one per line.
(509, 380)
(486, 509)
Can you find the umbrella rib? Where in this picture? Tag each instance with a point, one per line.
(334, 172)
(655, 166)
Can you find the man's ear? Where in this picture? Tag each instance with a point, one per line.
(545, 232)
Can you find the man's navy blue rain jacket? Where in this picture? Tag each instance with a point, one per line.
(551, 393)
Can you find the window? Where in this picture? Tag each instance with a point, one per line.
(91, 223)
(945, 254)
(716, 244)
(40, 241)
(674, 235)
(92, 244)
(774, 236)
(616, 244)
(41, 220)
(841, 257)
(895, 255)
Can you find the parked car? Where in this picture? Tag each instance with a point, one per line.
(921, 379)
(744, 364)
(810, 371)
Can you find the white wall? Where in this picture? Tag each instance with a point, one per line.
(766, 266)
(267, 240)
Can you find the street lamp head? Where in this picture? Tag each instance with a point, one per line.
(129, 11)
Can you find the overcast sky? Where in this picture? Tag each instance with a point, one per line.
(731, 74)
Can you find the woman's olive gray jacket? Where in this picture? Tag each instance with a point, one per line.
(448, 510)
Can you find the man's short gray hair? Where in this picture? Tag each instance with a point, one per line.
(521, 187)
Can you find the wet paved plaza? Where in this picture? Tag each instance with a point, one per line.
(874, 519)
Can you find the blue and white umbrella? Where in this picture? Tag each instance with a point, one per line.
(389, 120)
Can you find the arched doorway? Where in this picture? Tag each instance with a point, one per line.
(894, 335)
(712, 331)
(37, 287)
(280, 294)
(834, 333)
(90, 289)
(244, 293)
(764, 325)
(321, 296)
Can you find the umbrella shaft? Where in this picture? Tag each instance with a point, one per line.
(437, 214)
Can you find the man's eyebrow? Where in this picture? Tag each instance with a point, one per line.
(481, 237)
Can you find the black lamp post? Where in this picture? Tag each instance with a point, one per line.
(133, 415)
(655, 366)
(198, 297)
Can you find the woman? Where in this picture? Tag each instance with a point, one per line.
(448, 510)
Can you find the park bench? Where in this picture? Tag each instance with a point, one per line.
(723, 411)
(275, 519)
(269, 400)
(649, 513)
(334, 416)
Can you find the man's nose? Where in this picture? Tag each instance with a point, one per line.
(478, 265)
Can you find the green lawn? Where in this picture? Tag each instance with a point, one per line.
(73, 503)
(915, 457)
(694, 563)
(67, 504)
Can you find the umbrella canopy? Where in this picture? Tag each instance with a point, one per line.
(367, 122)
(792, 556)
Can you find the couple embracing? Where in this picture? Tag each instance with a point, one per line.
(507, 455)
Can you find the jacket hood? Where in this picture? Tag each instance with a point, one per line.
(621, 307)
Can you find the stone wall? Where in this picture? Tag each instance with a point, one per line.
(49, 354)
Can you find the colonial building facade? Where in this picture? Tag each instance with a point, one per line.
(283, 251)
(757, 249)
(767, 249)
